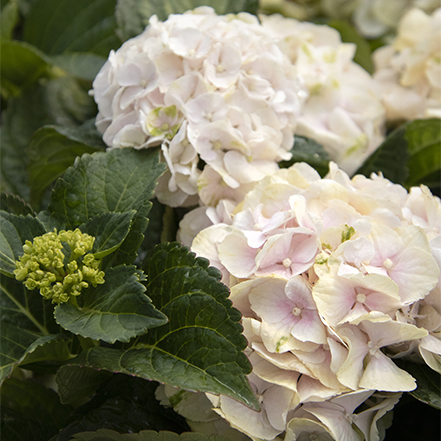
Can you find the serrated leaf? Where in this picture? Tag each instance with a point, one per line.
(21, 347)
(428, 382)
(52, 150)
(133, 15)
(21, 65)
(14, 231)
(80, 26)
(424, 138)
(15, 205)
(391, 158)
(309, 151)
(117, 310)
(145, 435)
(34, 401)
(109, 230)
(349, 34)
(200, 348)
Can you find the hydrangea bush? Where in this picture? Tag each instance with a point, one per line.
(217, 224)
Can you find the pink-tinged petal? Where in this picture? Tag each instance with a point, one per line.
(381, 373)
(311, 389)
(309, 328)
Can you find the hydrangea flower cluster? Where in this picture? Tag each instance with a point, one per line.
(205, 87)
(343, 112)
(59, 265)
(335, 278)
(408, 71)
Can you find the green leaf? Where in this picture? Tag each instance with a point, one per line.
(83, 65)
(34, 401)
(109, 230)
(391, 158)
(60, 101)
(80, 26)
(26, 309)
(144, 435)
(21, 347)
(52, 150)
(200, 348)
(424, 138)
(117, 310)
(8, 19)
(350, 35)
(21, 65)
(14, 231)
(15, 205)
(133, 15)
(309, 151)
(429, 382)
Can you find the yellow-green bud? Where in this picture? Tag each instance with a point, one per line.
(44, 265)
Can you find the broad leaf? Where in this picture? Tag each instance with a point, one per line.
(200, 348)
(350, 35)
(83, 65)
(145, 435)
(8, 19)
(116, 310)
(133, 15)
(391, 158)
(123, 403)
(428, 381)
(424, 138)
(14, 231)
(52, 150)
(309, 151)
(15, 205)
(34, 401)
(21, 65)
(21, 347)
(26, 309)
(80, 26)
(109, 230)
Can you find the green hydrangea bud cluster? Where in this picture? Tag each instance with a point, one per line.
(59, 265)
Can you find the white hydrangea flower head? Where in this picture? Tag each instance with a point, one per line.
(204, 87)
(334, 278)
(408, 71)
(343, 111)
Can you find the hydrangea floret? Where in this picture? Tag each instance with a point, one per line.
(59, 265)
(204, 87)
(408, 71)
(335, 279)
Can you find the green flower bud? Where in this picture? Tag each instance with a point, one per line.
(43, 265)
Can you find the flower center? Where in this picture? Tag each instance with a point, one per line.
(287, 262)
(388, 264)
(220, 68)
(361, 298)
(296, 311)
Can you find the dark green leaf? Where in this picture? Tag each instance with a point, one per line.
(80, 26)
(133, 15)
(21, 347)
(26, 309)
(309, 151)
(116, 310)
(8, 19)
(60, 101)
(21, 65)
(429, 382)
(52, 150)
(34, 401)
(424, 138)
(391, 158)
(80, 64)
(145, 435)
(15, 205)
(123, 403)
(350, 35)
(201, 346)
(109, 230)
(14, 231)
